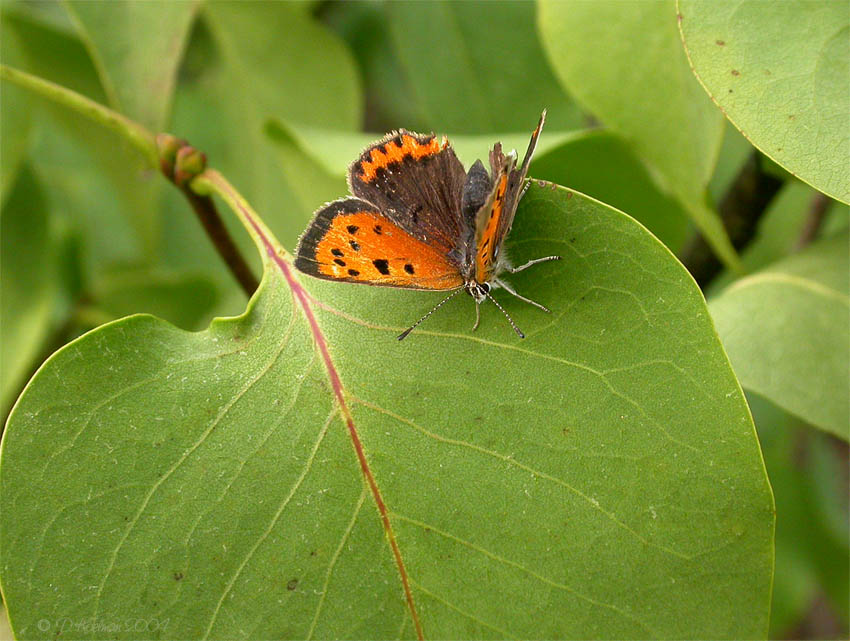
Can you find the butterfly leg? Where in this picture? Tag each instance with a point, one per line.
(514, 270)
(511, 290)
(477, 315)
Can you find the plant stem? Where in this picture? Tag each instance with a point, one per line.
(817, 214)
(140, 137)
(740, 210)
(207, 213)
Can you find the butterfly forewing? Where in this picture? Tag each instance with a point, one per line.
(350, 240)
(417, 182)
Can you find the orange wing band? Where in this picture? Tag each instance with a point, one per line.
(364, 248)
(395, 151)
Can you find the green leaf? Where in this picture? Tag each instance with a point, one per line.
(70, 148)
(183, 299)
(235, 83)
(476, 70)
(15, 116)
(281, 80)
(27, 275)
(792, 107)
(786, 332)
(599, 164)
(624, 62)
(780, 228)
(588, 481)
(336, 150)
(136, 47)
(812, 550)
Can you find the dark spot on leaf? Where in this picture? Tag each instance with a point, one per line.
(352, 229)
(313, 552)
(721, 43)
(573, 239)
(339, 262)
(408, 268)
(292, 584)
(569, 195)
(382, 265)
(730, 91)
(377, 229)
(735, 72)
(791, 116)
(354, 245)
(337, 252)
(353, 272)
(178, 576)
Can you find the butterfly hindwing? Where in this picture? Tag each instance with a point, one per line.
(494, 219)
(350, 240)
(417, 182)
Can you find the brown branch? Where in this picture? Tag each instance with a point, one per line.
(740, 210)
(180, 163)
(213, 225)
(817, 213)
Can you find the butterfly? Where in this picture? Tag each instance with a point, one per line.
(418, 220)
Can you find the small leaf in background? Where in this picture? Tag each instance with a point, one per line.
(812, 548)
(27, 280)
(85, 153)
(599, 164)
(16, 110)
(477, 68)
(136, 47)
(580, 483)
(234, 83)
(388, 94)
(183, 299)
(734, 153)
(781, 226)
(785, 329)
(790, 100)
(623, 61)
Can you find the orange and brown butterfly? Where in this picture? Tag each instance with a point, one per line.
(418, 220)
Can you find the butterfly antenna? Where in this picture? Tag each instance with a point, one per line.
(404, 334)
(508, 316)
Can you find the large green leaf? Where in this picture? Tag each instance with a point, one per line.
(624, 62)
(477, 67)
(780, 71)
(787, 334)
(136, 47)
(599, 479)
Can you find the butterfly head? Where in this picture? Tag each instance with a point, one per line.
(478, 291)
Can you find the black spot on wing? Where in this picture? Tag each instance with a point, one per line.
(382, 265)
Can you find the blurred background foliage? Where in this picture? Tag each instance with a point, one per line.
(282, 96)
